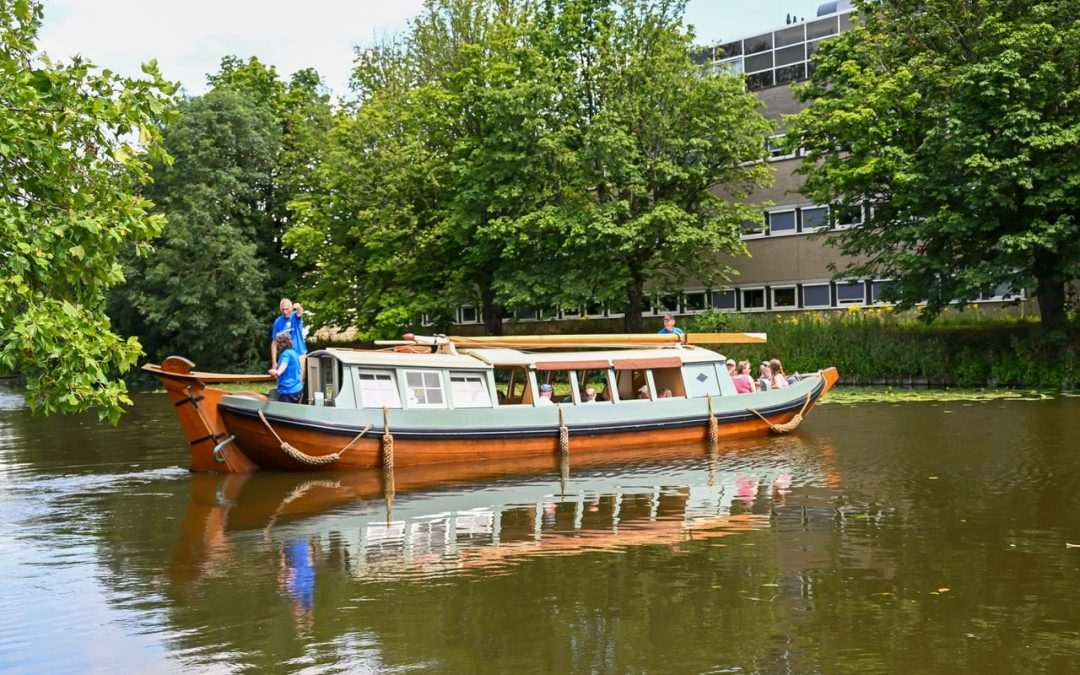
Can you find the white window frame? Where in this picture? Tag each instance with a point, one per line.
(764, 299)
(802, 222)
(378, 373)
(687, 292)
(779, 158)
(784, 287)
(461, 314)
(870, 300)
(857, 303)
(482, 377)
(816, 284)
(735, 296)
(783, 209)
(848, 226)
(539, 315)
(422, 372)
(764, 222)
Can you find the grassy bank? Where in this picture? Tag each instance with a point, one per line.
(875, 347)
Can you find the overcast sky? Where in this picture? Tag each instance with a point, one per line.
(189, 38)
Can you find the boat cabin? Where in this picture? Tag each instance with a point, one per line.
(495, 377)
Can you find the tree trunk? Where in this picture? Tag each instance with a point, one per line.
(493, 312)
(1050, 292)
(635, 305)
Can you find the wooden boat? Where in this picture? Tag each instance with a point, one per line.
(427, 400)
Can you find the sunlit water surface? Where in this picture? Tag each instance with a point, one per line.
(915, 538)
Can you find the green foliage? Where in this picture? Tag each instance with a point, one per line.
(513, 154)
(198, 293)
(959, 123)
(874, 345)
(69, 205)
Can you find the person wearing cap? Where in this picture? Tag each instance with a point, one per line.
(669, 326)
(291, 321)
(731, 369)
(545, 395)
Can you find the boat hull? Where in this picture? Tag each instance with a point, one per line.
(226, 432)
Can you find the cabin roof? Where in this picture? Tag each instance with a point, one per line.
(359, 357)
(513, 357)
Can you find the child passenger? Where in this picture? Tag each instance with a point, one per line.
(779, 379)
(744, 384)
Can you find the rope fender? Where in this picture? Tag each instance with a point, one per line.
(304, 458)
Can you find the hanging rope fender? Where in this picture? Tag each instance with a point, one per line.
(790, 425)
(564, 434)
(714, 426)
(303, 457)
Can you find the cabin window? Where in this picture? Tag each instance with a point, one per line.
(469, 390)
(669, 380)
(511, 386)
(378, 389)
(561, 384)
(633, 384)
(597, 380)
(423, 389)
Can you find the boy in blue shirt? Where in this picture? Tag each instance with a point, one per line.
(290, 386)
(291, 322)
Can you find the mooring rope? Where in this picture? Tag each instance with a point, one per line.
(304, 458)
(790, 425)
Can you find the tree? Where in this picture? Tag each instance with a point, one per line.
(655, 140)
(443, 151)
(69, 205)
(957, 125)
(201, 291)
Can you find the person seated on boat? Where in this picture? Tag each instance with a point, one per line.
(744, 384)
(546, 392)
(764, 381)
(732, 369)
(665, 394)
(590, 395)
(643, 392)
(778, 378)
(669, 326)
(290, 386)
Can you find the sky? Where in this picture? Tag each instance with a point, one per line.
(189, 38)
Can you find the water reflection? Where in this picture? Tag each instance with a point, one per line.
(879, 539)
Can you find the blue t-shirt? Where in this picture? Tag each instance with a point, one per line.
(676, 330)
(289, 382)
(295, 325)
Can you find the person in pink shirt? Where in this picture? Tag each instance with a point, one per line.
(744, 384)
(779, 379)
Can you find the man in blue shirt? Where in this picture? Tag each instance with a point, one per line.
(290, 386)
(669, 326)
(291, 322)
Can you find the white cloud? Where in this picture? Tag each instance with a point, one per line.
(189, 38)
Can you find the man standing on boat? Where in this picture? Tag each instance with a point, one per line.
(292, 323)
(669, 326)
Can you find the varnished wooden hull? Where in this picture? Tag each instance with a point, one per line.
(231, 437)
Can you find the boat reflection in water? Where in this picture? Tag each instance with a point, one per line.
(432, 521)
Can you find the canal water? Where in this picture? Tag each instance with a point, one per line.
(881, 538)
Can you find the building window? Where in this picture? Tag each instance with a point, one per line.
(696, 301)
(784, 297)
(469, 390)
(666, 304)
(759, 81)
(850, 293)
(789, 74)
(571, 312)
(753, 299)
(594, 310)
(759, 62)
(378, 389)
(822, 28)
(790, 55)
(468, 314)
(726, 51)
(754, 228)
(790, 36)
(814, 217)
(733, 66)
(880, 289)
(782, 222)
(758, 43)
(775, 146)
(423, 389)
(816, 296)
(527, 314)
(1001, 293)
(848, 216)
(724, 300)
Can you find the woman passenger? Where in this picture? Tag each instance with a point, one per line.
(779, 379)
(764, 381)
(744, 384)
